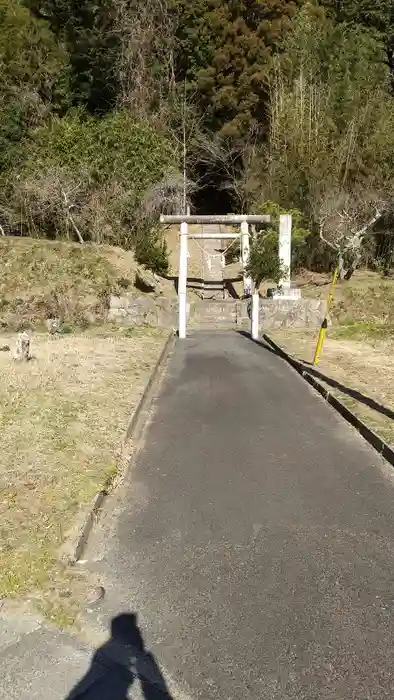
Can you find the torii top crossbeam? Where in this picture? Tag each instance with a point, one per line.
(216, 219)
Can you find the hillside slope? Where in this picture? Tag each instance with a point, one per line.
(41, 279)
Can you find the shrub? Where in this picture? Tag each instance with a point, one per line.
(88, 179)
(152, 252)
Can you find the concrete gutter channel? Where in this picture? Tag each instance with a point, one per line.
(74, 547)
(382, 447)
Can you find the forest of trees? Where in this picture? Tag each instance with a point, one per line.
(115, 110)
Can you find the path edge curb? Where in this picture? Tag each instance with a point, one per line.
(74, 546)
(382, 447)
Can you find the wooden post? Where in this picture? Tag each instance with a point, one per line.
(182, 281)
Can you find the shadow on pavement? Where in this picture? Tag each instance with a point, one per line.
(262, 343)
(353, 393)
(118, 664)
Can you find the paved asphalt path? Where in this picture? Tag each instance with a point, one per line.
(254, 536)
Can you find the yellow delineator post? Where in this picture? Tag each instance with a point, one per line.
(323, 327)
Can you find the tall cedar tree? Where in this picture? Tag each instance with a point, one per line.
(224, 49)
(87, 29)
(33, 75)
(374, 15)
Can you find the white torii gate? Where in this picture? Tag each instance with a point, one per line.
(244, 220)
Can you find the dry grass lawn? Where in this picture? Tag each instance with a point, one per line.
(62, 422)
(365, 365)
(366, 298)
(40, 279)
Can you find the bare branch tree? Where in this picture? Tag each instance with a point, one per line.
(146, 68)
(69, 206)
(183, 123)
(50, 198)
(345, 219)
(235, 165)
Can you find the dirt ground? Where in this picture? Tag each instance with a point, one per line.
(63, 417)
(356, 371)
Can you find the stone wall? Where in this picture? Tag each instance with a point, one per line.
(285, 313)
(162, 311)
(135, 311)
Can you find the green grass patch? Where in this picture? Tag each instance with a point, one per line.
(363, 330)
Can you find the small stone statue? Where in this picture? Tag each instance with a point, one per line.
(22, 350)
(53, 325)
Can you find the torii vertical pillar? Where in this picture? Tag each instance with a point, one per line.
(285, 221)
(245, 257)
(255, 315)
(182, 281)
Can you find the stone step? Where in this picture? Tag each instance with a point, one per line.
(212, 271)
(214, 319)
(201, 326)
(214, 312)
(212, 284)
(213, 295)
(222, 303)
(211, 313)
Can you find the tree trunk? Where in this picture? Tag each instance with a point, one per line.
(341, 266)
(352, 267)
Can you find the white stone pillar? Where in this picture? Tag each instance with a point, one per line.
(245, 257)
(182, 281)
(255, 315)
(285, 221)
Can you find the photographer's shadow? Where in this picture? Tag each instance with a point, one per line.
(118, 664)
